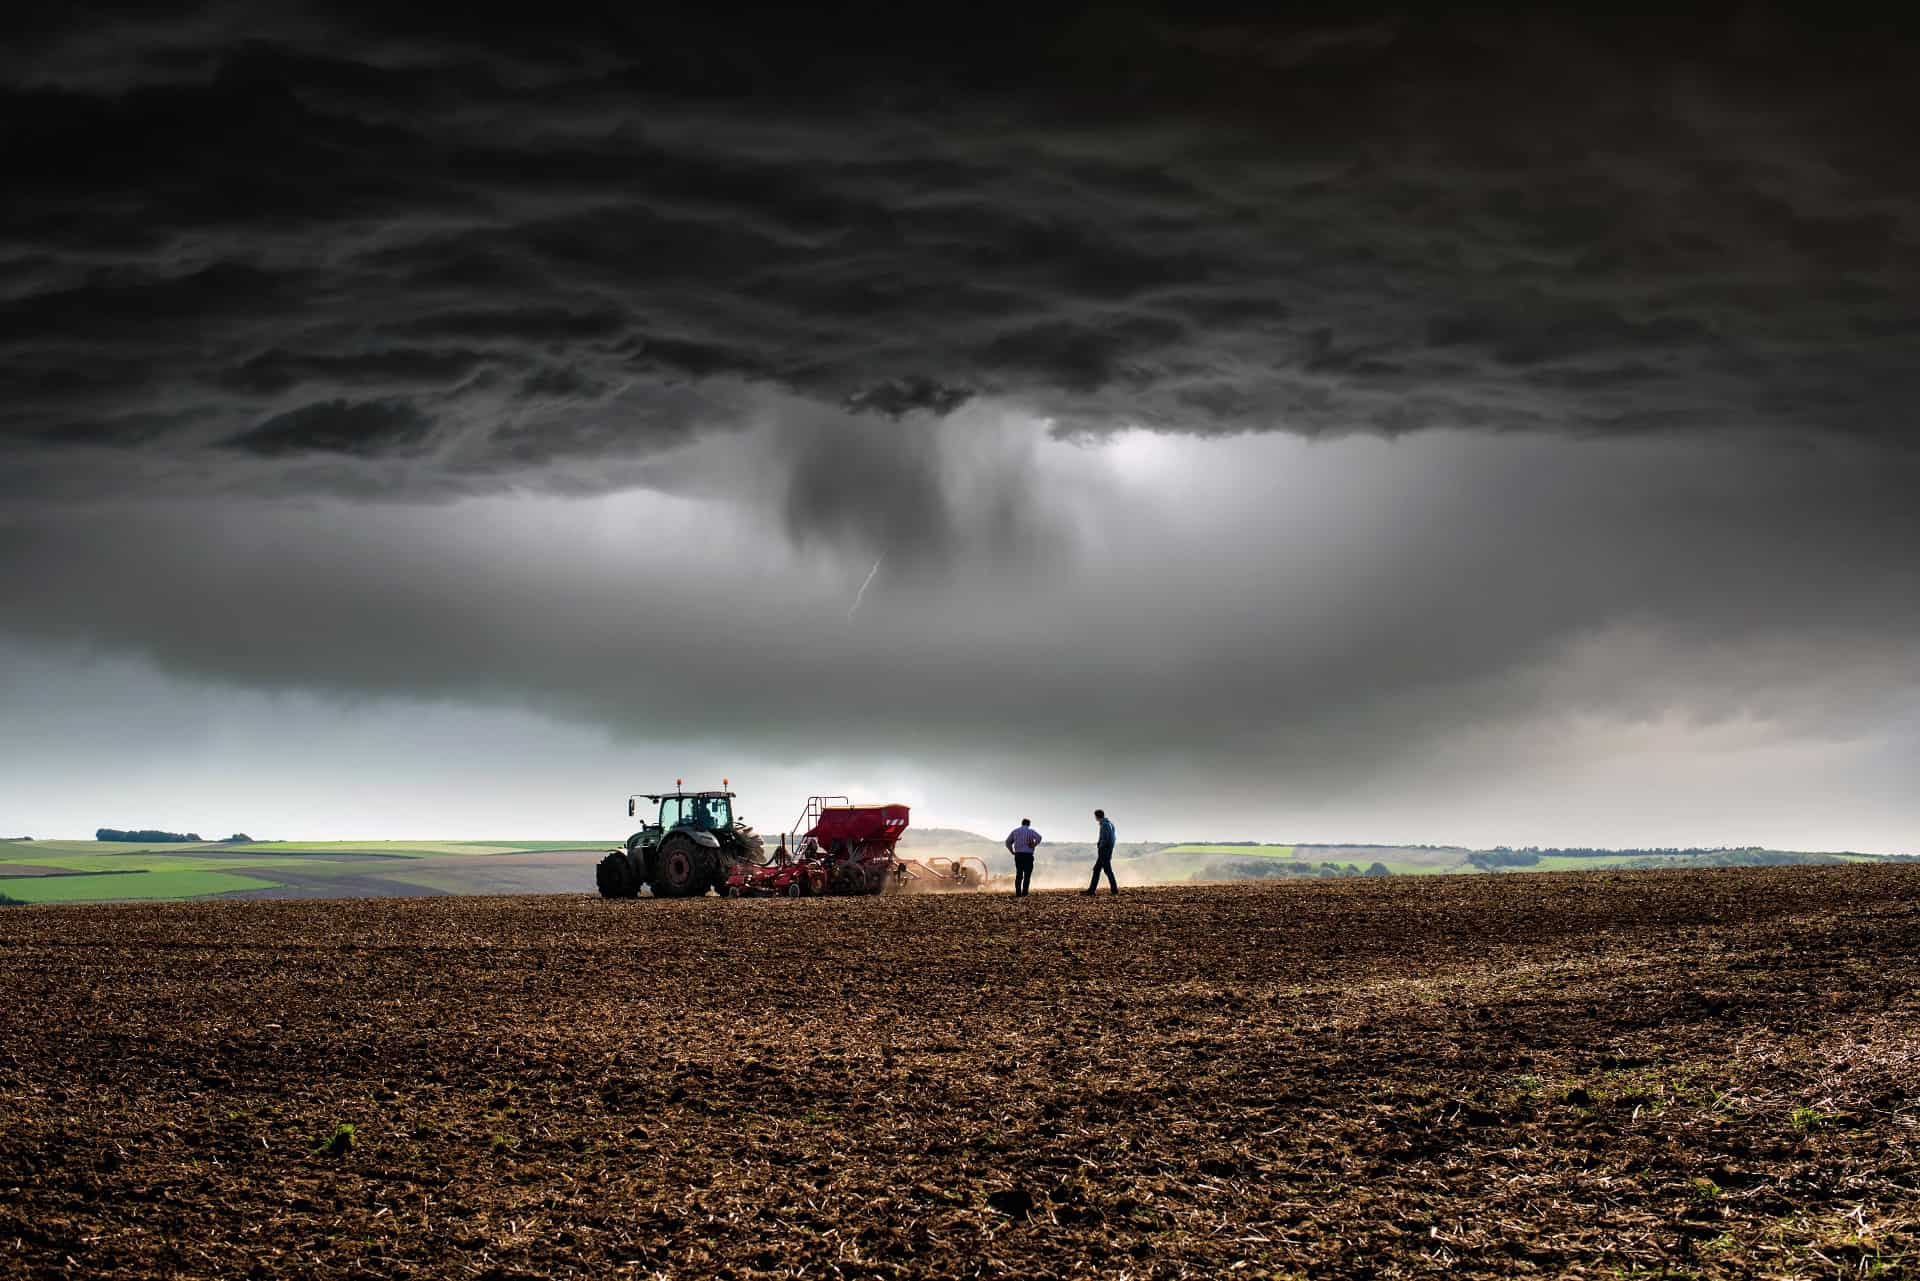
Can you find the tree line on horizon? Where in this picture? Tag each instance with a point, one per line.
(150, 835)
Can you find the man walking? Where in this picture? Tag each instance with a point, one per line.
(1021, 842)
(1103, 860)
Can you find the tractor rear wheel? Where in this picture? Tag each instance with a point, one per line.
(752, 847)
(615, 876)
(684, 868)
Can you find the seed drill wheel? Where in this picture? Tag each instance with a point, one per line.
(615, 876)
(685, 868)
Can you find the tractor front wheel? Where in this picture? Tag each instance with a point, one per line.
(615, 876)
(684, 868)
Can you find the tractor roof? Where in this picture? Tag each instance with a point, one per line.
(656, 796)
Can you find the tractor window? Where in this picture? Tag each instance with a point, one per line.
(707, 812)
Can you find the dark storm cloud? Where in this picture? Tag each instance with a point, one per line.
(221, 217)
(367, 428)
(899, 396)
(275, 371)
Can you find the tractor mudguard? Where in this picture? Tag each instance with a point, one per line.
(707, 839)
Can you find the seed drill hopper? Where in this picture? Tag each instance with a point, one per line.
(835, 847)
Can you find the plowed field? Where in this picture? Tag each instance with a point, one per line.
(1599, 1074)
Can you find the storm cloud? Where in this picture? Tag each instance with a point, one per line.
(232, 218)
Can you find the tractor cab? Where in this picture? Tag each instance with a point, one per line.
(700, 811)
(704, 811)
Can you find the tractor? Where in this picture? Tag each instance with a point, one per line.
(697, 845)
(692, 846)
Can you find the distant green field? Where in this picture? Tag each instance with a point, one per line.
(1237, 851)
(126, 885)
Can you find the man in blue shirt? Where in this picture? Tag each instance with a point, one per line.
(1021, 842)
(1103, 861)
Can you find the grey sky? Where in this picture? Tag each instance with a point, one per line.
(1370, 430)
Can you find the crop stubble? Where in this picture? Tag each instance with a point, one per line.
(1709, 1073)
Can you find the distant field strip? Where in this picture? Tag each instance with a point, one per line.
(1236, 851)
(489, 847)
(402, 849)
(130, 884)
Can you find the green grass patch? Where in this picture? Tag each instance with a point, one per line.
(338, 1144)
(128, 885)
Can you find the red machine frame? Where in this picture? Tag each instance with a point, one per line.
(836, 848)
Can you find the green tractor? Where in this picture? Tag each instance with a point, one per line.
(690, 848)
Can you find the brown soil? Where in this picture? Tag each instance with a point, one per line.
(1597, 1074)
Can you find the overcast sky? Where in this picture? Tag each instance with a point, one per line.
(1362, 430)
